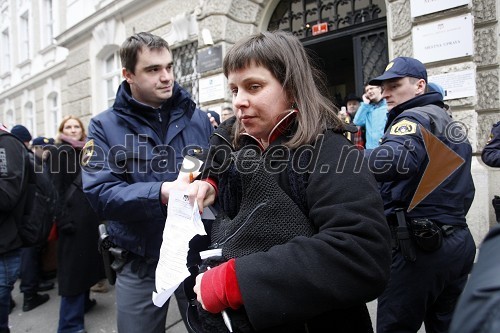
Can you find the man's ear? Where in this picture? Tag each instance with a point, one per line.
(421, 85)
(127, 75)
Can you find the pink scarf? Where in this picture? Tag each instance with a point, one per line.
(74, 143)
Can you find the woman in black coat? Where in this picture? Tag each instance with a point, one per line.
(79, 262)
(302, 238)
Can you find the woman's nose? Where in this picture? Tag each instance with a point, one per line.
(240, 100)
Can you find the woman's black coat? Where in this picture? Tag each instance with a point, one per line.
(79, 262)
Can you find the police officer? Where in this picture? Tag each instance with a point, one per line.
(426, 281)
(132, 161)
(491, 152)
(491, 156)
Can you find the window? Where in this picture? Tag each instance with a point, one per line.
(24, 36)
(53, 115)
(185, 68)
(47, 23)
(9, 119)
(5, 61)
(111, 77)
(29, 117)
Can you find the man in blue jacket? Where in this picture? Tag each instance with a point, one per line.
(372, 115)
(424, 170)
(131, 162)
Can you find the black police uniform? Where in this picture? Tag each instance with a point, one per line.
(424, 290)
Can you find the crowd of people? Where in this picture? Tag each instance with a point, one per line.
(305, 234)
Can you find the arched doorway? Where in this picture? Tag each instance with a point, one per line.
(347, 38)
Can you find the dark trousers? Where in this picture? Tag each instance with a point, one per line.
(30, 270)
(428, 289)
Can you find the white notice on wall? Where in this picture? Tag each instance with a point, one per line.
(212, 88)
(423, 7)
(444, 39)
(457, 84)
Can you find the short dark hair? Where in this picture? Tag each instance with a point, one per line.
(134, 44)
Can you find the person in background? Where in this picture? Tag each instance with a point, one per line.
(491, 152)
(214, 118)
(31, 282)
(300, 251)
(22, 133)
(226, 113)
(154, 117)
(372, 115)
(80, 264)
(13, 170)
(430, 266)
(352, 103)
(31, 257)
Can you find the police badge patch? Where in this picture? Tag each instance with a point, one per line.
(404, 127)
(87, 152)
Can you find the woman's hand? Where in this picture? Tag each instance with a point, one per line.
(197, 289)
(181, 183)
(203, 192)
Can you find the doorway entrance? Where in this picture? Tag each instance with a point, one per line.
(350, 60)
(354, 48)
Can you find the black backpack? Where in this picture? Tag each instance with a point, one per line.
(39, 210)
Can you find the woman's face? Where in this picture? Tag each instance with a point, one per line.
(259, 100)
(73, 129)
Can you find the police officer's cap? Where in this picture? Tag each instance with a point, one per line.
(401, 67)
(42, 141)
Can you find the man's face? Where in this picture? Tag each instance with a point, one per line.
(398, 91)
(226, 114)
(352, 107)
(373, 93)
(153, 80)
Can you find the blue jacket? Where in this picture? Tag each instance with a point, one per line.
(491, 152)
(133, 149)
(373, 117)
(400, 161)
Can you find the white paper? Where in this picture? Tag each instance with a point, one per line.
(182, 224)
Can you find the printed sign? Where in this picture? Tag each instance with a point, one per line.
(211, 88)
(457, 84)
(423, 7)
(209, 59)
(444, 39)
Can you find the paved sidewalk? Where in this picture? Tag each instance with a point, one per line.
(101, 319)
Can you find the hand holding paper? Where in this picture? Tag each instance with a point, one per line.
(182, 224)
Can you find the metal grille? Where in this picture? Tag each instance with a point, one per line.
(370, 56)
(185, 60)
(298, 16)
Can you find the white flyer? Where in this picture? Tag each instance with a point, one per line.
(182, 224)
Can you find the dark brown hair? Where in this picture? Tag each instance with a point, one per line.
(284, 56)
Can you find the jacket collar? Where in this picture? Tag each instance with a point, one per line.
(433, 97)
(278, 130)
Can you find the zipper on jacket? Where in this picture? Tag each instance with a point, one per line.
(223, 138)
(221, 243)
(159, 116)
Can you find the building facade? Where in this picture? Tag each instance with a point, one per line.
(60, 57)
